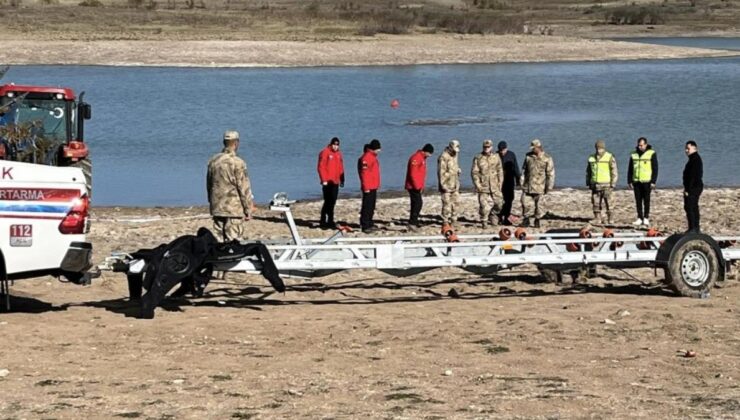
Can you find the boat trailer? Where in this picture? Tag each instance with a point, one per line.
(692, 262)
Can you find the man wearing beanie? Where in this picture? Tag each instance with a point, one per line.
(331, 177)
(448, 175)
(416, 174)
(512, 175)
(601, 177)
(229, 190)
(368, 168)
(488, 176)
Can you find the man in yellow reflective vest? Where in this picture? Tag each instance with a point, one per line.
(601, 177)
(642, 173)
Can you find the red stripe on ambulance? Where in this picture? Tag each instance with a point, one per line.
(38, 194)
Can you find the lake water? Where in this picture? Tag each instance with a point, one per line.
(153, 129)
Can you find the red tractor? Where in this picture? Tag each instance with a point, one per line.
(44, 125)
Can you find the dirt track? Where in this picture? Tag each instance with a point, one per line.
(363, 344)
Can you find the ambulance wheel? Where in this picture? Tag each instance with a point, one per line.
(693, 268)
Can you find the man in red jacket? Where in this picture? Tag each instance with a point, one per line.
(416, 174)
(331, 176)
(369, 170)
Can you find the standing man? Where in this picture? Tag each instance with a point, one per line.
(538, 179)
(229, 190)
(448, 175)
(369, 170)
(416, 174)
(601, 177)
(642, 173)
(331, 176)
(488, 177)
(693, 185)
(512, 176)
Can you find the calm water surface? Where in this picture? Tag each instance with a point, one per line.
(153, 129)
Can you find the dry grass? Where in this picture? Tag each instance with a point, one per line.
(339, 19)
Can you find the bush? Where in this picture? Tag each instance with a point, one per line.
(633, 15)
(90, 3)
(313, 9)
(385, 27)
(392, 22)
(472, 24)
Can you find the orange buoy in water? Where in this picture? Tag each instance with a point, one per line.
(395, 104)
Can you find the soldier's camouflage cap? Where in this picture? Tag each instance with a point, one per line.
(535, 143)
(455, 145)
(231, 135)
(487, 143)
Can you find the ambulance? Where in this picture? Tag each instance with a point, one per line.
(43, 221)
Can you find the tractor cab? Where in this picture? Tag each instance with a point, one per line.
(44, 125)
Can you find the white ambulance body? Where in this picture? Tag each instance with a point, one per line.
(43, 221)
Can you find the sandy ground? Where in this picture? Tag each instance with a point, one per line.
(396, 50)
(364, 344)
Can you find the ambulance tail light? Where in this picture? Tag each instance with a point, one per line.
(75, 222)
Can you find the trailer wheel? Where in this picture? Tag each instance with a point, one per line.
(693, 268)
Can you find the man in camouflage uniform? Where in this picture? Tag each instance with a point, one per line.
(229, 190)
(601, 177)
(448, 174)
(488, 175)
(538, 178)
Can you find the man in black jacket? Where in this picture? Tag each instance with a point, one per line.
(512, 176)
(693, 185)
(642, 174)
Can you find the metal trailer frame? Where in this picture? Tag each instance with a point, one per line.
(693, 262)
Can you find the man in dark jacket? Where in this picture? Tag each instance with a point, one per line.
(368, 168)
(512, 176)
(416, 174)
(693, 185)
(331, 176)
(642, 174)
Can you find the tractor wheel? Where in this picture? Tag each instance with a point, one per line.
(693, 268)
(86, 166)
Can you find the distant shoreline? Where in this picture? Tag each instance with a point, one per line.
(376, 51)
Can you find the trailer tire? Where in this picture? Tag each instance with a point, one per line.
(86, 166)
(693, 268)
